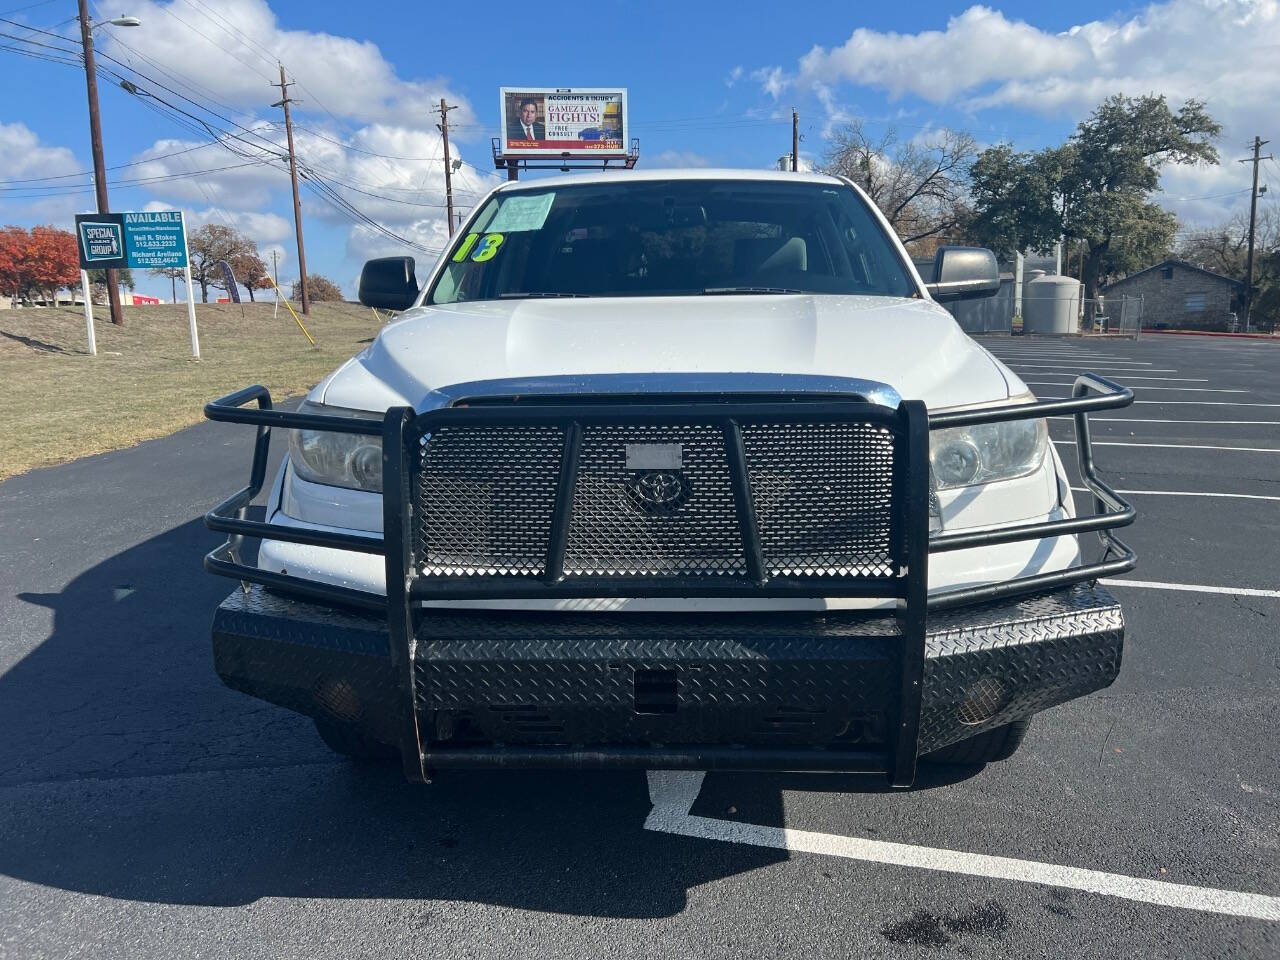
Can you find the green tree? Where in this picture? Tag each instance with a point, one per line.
(1094, 188)
(1017, 205)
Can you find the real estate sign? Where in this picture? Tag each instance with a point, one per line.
(149, 240)
(547, 121)
(101, 238)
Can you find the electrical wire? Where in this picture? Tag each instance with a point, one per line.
(117, 166)
(70, 189)
(29, 6)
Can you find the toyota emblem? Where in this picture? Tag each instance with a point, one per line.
(658, 493)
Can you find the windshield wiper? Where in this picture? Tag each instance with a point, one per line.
(715, 291)
(536, 294)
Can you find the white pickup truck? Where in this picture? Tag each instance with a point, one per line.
(672, 469)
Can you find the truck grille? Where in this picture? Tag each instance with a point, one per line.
(822, 496)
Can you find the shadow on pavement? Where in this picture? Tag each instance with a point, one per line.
(128, 771)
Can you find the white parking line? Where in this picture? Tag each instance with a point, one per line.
(672, 794)
(1206, 403)
(1188, 493)
(1119, 364)
(1171, 446)
(1045, 383)
(1218, 423)
(1061, 357)
(1173, 403)
(1045, 373)
(1194, 588)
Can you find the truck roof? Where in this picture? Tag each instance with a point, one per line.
(700, 173)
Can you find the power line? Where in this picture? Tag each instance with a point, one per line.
(29, 6)
(118, 166)
(41, 30)
(168, 11)
(267, 56)
(70, 189)
(35, 55)
(260, 155)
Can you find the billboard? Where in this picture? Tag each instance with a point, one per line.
(543, 121)
(115, 240)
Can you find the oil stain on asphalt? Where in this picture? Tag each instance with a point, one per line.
(923, 929)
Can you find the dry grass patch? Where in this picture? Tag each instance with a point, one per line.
(58, 403)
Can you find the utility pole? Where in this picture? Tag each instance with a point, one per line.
(795, 140)
(448, 163)
(1258, 144)
(95, 140)
(293, 176)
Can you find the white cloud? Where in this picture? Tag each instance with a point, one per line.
(359, 127)
(1219, 51)
(24, 157)
(978, 46)
(229, 48)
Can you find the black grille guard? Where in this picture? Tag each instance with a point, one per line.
(401, 428)
(403, 433)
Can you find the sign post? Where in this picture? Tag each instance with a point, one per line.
(150, 240)
(88, 312)
(101, 243)
(191, 297)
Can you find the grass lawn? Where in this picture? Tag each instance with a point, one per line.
(58, 403)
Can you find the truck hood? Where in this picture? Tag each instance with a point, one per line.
(796, 341)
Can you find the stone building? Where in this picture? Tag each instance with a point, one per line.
(1180, 294)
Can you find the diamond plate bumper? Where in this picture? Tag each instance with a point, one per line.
(794, 690)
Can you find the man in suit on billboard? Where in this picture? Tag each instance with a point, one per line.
(525, 126)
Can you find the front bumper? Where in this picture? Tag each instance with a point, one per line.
(529, 502)
(746, 691)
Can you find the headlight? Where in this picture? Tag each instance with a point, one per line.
(964, 456)
(338, 459)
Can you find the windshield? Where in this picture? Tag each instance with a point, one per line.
(673, 237)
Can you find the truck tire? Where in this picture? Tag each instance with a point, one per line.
(988, 747)
(350, 741)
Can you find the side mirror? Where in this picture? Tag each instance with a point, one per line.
(964, 273)
(389, 283)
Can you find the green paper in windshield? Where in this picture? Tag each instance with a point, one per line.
(522, 212)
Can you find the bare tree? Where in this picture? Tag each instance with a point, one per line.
(1224, 248)
(919, 184)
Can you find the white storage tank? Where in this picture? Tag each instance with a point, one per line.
(1051, 304)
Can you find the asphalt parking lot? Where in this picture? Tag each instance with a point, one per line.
(146, 811)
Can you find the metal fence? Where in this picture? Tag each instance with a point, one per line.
(1117, 315)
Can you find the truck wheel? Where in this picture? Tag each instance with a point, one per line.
(997, 744)
(351, 742)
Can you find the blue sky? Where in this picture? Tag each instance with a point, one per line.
(710, 84)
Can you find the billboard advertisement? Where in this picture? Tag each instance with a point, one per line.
(543, 121)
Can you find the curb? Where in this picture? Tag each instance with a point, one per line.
(1210, 333)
